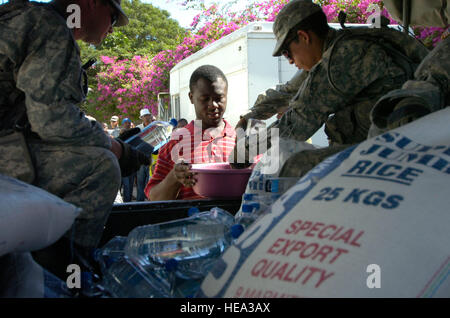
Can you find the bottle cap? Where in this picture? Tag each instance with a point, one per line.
(236, 230)
(171, 265)
(86, 278)
(193, 210)
(249, 196)
(275, 186)
(247, 208)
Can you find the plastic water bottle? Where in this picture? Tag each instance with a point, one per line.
(258, 201)
(249, 198)
(180, 287)
(152, 137)
(126, 279)
(246, 217)
(111, 252)
(193, 210)
(181, 283)
(280, 185)
(195, 242)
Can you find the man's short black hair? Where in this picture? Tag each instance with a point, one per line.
(208, 72)
(316, 22)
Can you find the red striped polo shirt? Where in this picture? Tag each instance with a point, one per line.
(193, 145)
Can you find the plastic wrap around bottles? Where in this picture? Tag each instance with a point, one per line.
(111, 252)
(126, 279)
(152, 137)
(194, 242)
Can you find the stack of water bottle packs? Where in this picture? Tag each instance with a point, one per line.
(167, 259)
(171, 259)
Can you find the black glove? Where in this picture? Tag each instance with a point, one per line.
(406, 111)
(131, 159)
(128, 133)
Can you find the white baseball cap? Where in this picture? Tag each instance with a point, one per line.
(115, 118)
(144, 112)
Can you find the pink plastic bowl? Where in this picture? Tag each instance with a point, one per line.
(219, 180)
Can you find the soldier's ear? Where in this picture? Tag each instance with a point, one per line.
(304, 36)
(190, 97)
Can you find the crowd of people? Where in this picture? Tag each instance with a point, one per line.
(132, 187)
(346, 82)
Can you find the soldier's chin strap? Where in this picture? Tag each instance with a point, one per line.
(89, 63)
(341, 18)
(84, 68)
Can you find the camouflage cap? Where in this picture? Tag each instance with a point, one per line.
(292, 13)
(123, 19)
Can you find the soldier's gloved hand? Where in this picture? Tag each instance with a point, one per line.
(242, 123)
(406, 111)
(131, 159)
(239, 157)
(128, 133)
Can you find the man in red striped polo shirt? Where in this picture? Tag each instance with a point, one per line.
(208, 139)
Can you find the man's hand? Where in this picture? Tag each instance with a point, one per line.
(182, 173)
(131, 159)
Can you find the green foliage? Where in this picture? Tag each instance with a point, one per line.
(150, 31)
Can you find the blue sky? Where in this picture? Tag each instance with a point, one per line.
(178, 12)
(183, 16)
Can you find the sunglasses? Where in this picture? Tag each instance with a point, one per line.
(285, 52)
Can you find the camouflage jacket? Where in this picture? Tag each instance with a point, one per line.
(342, 88)
(272, 100)
(39, 56)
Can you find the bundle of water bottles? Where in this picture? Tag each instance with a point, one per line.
(256, 202)
(171, 259)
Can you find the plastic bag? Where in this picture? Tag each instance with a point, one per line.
(31, 218)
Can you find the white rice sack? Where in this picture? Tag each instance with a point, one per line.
(31, 218)
(371, 221)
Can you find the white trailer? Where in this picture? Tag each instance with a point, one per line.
(245, 56)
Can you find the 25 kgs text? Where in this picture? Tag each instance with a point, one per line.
(360, 196)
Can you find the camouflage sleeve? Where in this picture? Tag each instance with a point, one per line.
(427, 93)
(50, 74)
(274, 100)
(355, 66)
(435, 71)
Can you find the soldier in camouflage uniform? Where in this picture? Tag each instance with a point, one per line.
(41, 84)
(348, 71)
